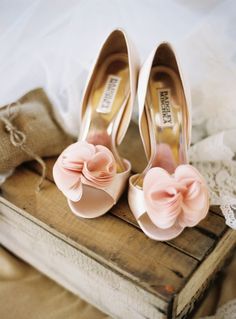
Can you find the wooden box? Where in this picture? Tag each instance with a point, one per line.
(108, 261)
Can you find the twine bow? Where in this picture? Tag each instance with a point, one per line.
(18, 139)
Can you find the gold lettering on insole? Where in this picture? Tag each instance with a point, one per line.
(108, 96)
(164, 99)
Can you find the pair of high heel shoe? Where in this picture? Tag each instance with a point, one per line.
(169, 194)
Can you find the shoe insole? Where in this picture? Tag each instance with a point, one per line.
(108, 98)
(166, 108)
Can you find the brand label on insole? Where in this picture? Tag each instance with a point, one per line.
(108, 96)
(165, 107)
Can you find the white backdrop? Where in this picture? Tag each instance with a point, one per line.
(52, 43)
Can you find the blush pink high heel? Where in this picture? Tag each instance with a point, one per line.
(169, 194)
(91, 173)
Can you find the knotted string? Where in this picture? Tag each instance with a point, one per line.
(18, 139)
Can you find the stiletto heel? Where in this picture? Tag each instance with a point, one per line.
(169, 194)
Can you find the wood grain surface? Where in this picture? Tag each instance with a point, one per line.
(151, 279)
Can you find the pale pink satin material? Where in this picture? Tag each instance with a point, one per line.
(165, 204)
(169, 203)
(164, 158)
(86, 174)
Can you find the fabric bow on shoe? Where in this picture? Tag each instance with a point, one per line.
(83, 164)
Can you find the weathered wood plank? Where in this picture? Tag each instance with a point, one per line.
(157, 272)
(151, 265)
(203, 241)
(217, 210)
(81, 274)
(200, 279)
(213, 224)
(191, 241)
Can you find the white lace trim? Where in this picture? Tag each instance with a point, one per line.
(228, 208)
(227, 311)
(221, 180)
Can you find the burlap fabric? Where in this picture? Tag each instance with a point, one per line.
(33, 117)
